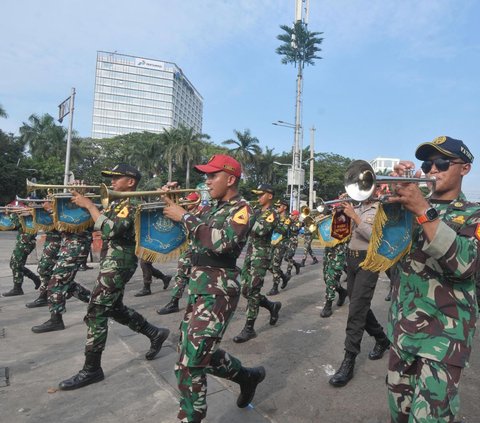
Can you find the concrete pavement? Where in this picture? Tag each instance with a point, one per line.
(300, 353)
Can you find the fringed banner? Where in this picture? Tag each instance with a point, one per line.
(69, 217)
(42, 220)
(341, 226)
(6, 223)
(27, 224)
(334, 229)
(391, 237)
(158, 238)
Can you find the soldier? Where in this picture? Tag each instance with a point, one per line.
(434, 311)
(84, 266)
(24, 245)
(184, 265)
(117, 265)
(218, 233)
(293, 232)
(361, 287)
(257, 262)
(148, 271)
(279, 243)
(307, 244)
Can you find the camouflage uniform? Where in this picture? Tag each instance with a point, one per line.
(51, 249)
(433, 315)
(218, 232)
(73, 249)
(307, 246)
(294, 230)
(24, 245)
(181, 276)
(333, 266)
(118, 263)
(278, 252)
(257, 260)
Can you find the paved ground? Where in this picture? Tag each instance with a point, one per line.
(300, 354)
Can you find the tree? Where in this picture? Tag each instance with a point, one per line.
(246, 149)
(3, 113)
(329, 173)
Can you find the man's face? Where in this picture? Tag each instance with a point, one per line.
(265, 198)
(218, 183)
(450, 179)
(123, 183)
(281, 208)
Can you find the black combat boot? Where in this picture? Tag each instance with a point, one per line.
(144, 291)
(157, 337)
(79, 292)
(16, 290)
(248, 379)
(54, 323)
(327, 309)
(247, 333)
(170, 307)
(166, 281)
(285, 278)
(274, 290)
(41, 301)
(345, 373)
(272, 307)
(36, 281)
(342, 295)
(381, 345)
(91, 373)
(302, 264)
(297, 267)
(315, 260)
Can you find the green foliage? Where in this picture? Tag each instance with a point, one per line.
(329, 172)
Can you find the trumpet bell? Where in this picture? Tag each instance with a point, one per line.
(359, 180)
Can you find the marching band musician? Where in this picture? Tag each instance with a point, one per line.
(293, 232)
(257, 263)
(307, 246)
(117, 265)
(434, 311)
(24, 245)
(361, 285)
(218, 234)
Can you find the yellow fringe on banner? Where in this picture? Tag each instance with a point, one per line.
(71, 227)
(41, 226)
(26, 229)
(374, 261)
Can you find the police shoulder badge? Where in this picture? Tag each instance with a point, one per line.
(439, 140)
(123, 213)
(241, 216)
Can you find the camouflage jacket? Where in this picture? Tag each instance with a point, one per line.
(282, 228)
(294, 229)
(218, 232)
(434, 309)
(261, 234)
(117, 225)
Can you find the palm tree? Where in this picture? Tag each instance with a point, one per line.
(265, 167)
(246, 149)
(169, 138)
(188, 148)
(43, 136)
(3, 113)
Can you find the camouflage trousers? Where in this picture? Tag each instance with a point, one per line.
(290, 253)
(181, 276)
(50, 252)
(23, 247)
(278, 253)
(70, 257)
(253, 275)
(421, 390)
(204, 323)
(107, 301)
(307, 245)
(333, 265)
(148, 271)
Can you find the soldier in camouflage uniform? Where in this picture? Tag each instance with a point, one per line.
(333, 266)
(24, 245)
(184, 265)
(218, 233)
(307, 245)
(257, 262)
(434, 310)
(148, 271)
(279, 243)
(293, 232)
(117, 265)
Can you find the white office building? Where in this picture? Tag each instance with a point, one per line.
(135, 94)
(383, 164)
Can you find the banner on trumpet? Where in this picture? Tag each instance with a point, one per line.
(42, 220)
(334, 229)
(6, 223)
(69, 217)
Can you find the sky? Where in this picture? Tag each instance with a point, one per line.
(393, 73)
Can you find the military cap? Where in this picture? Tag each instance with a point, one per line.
(263, 188)
(447, 146)
(221, 162)
(123, 169)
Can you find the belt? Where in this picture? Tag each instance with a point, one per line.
(356, 253)
(217, 260)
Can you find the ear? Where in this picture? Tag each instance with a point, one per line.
(132, 182)
(466, 169)
(231, 180)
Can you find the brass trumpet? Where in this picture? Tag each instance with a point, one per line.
(107, 195)
(361, 181)
(31, 186)
(322, 208)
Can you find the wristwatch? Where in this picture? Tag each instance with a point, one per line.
(429, 216)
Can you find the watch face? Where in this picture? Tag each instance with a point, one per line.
(431, 214)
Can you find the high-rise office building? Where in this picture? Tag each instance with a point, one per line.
(135, 94)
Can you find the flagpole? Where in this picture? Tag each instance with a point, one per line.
(69, 139)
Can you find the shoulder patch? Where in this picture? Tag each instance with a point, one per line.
(459, 219)
(241, 216)
(287, 221)
(270, 218)
(123, 212)
(477, 231)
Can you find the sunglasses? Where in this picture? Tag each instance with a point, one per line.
(442, 165)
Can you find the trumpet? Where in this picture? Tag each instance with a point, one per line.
(107, 195)
(32, 186)
(322, 208)
(16, 209)
(361, 181)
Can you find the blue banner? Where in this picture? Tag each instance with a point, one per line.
(6, 223)
(69, 217)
